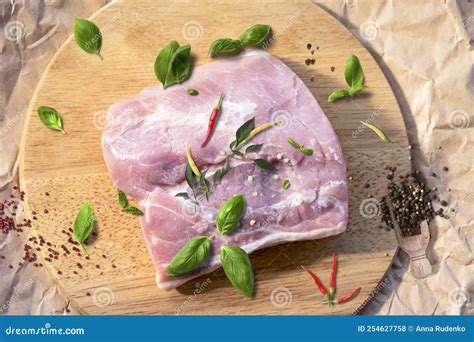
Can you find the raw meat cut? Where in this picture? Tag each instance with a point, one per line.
(143, 144)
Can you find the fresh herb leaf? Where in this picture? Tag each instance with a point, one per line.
(306, 151)
(233, 144)
(83, 225)
(238, 153)
(379, 132)
(179, 68)
(263, 164)
(221, 172)
(123, 202)
(293, 143)
(338, 94)
(192, 92)
(255, 35)
(286, 184)
(133, 210)
(230, 213)
(163, 59)
(355, 78)
(253, 148)
(88, 36)
(191, 256)
(182, 194)
(244, 131)
(354, 74)
(224, 46)
(189, 176)
(50, 118)
(238, 268)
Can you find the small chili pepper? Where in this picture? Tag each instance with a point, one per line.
(332, 279)
(191, 162)
(349, 297)
(320, 285)
(259, 129)
(213, 120)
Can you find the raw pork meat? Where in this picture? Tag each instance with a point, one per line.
(143, 145)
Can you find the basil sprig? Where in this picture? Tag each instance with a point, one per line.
(173, 64)
(304, 150)
(255, 35)
(225, 46)
(355, 78)
(230, 213)
(238, 268)
(88, 36)
(190, 257)
(252, 37)
(83, 225)
(123, 202)
(254, 148)
(50, 118)
(217, 176)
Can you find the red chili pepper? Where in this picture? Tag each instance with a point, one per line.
(332, 279)
(349, 297)
(320, 285)
(212, 120)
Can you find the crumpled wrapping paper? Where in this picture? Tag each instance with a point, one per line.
(426, 52)
(30, 34)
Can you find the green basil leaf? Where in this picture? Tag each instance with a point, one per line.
(286, 184)
(238, 268)
(123, 202)
(88, 36)
(192, 92)
(230, 213)
(221, 172)
(83, 225)
(133, 210)
(50, 118)
(381, 134)
(233, 144)
(255, 35)
(293, 143)
(163, 59)
(263, 164)
(253, 148)
(244, 131)
(182, 194)
(189, 176)
(338, 94)
(238, 153)
(191, 256)
(202, 179)
(353, 73)
(179, 68)
(224, 46)
(306, 151)
(356, 90)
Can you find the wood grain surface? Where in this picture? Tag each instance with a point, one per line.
(119, 278)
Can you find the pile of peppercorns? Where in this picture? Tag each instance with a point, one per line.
(411, 203)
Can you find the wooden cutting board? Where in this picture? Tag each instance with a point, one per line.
(119, 278)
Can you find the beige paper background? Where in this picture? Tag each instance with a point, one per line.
(425, 49)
